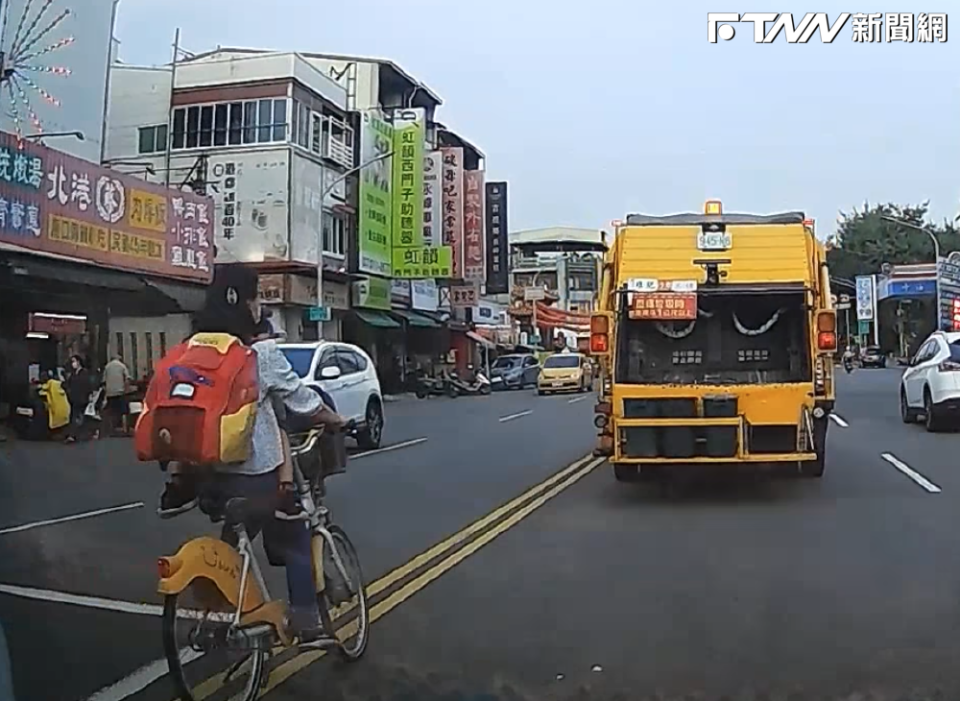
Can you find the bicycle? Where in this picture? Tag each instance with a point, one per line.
(237, 615)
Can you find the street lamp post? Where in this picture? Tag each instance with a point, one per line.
(936, 254)
(323, 198)
(40, 136)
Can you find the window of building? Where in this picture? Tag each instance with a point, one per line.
(316, 133)
(152, 139)
(236, 123)
(193, 127)
(220, 119)
(302, 133)
(206, 126)
(334, 234)
(225, 123)
(279, 120)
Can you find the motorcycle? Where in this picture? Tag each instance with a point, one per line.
(427, 386)
(456, 386)
(848, 365)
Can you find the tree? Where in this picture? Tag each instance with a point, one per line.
(864, 241)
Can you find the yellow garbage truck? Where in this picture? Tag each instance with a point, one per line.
(715, 335)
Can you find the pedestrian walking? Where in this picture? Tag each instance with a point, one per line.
(79, 386)
(116, 381)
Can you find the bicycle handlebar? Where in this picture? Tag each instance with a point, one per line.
(308, 443)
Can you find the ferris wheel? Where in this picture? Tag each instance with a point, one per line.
(29, 43)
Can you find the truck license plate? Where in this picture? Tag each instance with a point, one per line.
(714, 240)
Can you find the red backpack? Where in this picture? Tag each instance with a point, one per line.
(200, 405)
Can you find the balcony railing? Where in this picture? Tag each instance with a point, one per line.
(338, 151)
(533, 263)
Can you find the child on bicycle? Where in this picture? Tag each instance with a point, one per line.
(232, 307)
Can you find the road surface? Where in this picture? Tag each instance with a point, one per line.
(543, 578)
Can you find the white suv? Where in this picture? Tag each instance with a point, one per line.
(348, 375)
(931, 384)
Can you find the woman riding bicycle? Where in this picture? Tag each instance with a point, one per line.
(232, 306)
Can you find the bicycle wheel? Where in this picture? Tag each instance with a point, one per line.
(202, 661)
(349, 614)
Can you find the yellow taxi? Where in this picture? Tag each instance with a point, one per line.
(564, 372)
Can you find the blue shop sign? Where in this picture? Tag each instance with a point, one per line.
(908, 288)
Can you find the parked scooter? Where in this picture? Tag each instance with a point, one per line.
(427, 386)
(456, 386)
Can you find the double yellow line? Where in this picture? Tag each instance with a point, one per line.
(490, 527)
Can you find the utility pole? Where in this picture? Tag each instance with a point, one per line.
(167, 155)
(936, 258)
(323, 198)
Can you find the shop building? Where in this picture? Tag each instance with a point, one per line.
(268, 135)
(82, 247)
(564, 262)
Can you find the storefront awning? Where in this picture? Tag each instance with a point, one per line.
(480, 339)
(418, 320)
(378, 319)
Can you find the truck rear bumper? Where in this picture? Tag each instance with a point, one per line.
(714, 440)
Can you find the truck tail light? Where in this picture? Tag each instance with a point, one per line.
(827, 331)
(600, 334)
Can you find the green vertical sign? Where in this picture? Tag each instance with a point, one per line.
(864, 327)
(409, 133)
(376, 205)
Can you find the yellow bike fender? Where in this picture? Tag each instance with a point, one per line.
(213, 560)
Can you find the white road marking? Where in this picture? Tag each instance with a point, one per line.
(578, 399)
(93, 602)
(97, 602)
(511, 417)
(839, 421)
(140, 679)
(911, 473)
(74, 517)
(398, 446)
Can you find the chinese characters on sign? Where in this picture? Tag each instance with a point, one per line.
(664, 306)
(190, 227)
(900, 26)
(148, 211)
(423, 262)
(19, 218)
(54, 203)
(498, 258)
(225, 178)
(463, 296)
(873, 27)
(432, 198)
(474, 262)
(376, 211)
(409, 253)
(18, 168)
(453, 206)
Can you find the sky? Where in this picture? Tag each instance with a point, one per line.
(595, 110)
